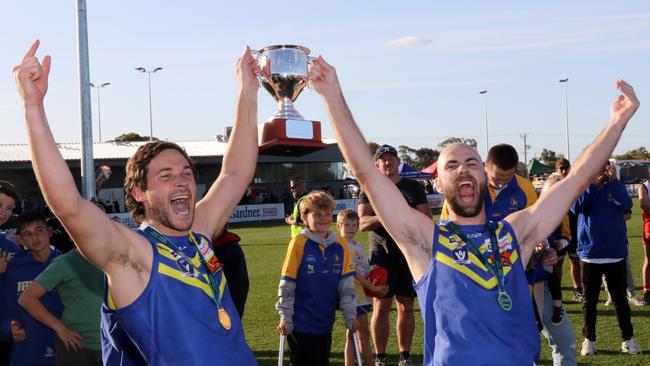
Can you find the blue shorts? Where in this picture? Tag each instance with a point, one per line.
(364, 309)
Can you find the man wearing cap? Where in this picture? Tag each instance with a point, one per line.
(385, 253)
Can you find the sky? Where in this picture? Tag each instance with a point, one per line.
(411, 71)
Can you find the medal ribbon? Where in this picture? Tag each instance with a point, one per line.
(217, 291)
(496, 269)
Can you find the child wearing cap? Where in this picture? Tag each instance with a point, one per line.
(317, 276)
(347, 222)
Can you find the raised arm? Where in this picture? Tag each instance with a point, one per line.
(412, 231)
(240, 158)
(534, 224)
(98, 238)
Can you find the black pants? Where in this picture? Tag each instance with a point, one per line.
(616, 277)
(555, 286)
(5, 351)
(309, 349)
(80, 357)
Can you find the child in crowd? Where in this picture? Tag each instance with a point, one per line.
(317, 276)
(33, 342)
(347, 222)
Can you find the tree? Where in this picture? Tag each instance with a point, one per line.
(132, 136)
(373, 146)
(457, 140)
(418, 158)
(549, 157)
(639, 153)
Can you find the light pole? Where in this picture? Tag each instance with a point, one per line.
(99, 108)
(149, 72)
(487, 143)
(566, 109)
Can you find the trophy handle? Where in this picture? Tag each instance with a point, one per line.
(257, 55)
(310, 60)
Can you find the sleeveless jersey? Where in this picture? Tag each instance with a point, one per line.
(463, 323)
(174, 321)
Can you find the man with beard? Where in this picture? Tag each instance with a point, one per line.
(385, 253)
(473, 296)
(166, 291)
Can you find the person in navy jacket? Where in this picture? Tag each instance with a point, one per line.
(602, 247)
(33, 342)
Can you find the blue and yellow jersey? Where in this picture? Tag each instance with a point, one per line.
(174, 321)
(518, 194)
(463, 323)
(316, 269)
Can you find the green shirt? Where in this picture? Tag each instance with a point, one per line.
(297, 227)
(81, 288)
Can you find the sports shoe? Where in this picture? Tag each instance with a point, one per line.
(577, 296)
(630, 347)
(636, 301)
(380, 362)
(406, 362)
(558, 312)
(609, 301)
(588, 348)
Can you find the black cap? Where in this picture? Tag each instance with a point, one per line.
(383, 149)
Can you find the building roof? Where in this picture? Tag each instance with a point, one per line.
(19, 153)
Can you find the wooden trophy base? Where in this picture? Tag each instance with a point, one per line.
(289, 137)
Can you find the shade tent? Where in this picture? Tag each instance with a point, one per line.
(535, 167)
(432, 169)
(408, 171)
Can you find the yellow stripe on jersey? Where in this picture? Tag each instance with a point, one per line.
(489, 284)
(348, 264)
(294, 257)
(528, 189)
(192, 281)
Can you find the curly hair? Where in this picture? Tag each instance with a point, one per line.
(137, 168)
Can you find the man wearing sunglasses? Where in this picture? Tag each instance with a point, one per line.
(298, 187)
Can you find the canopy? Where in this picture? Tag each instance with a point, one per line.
(535, 167)
(408, 171)
(432, 169)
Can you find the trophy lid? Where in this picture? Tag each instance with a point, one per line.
(281, 46)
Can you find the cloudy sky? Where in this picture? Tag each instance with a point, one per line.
(411, 71)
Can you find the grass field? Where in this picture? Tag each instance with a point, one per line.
(265, 246)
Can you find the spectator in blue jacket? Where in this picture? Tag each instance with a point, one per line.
(602, 249)
(33, 341)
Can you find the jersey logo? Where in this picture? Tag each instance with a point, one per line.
(310, 269)
(311, 258)
(460, 255)
(513, 202)
(185, 267)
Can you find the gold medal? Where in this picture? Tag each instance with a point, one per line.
(224, 319)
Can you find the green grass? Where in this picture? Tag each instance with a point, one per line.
(265, 247)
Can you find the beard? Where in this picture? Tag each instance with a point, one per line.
(162, 216)
(467, 212)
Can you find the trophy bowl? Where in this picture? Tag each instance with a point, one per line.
(285, 76)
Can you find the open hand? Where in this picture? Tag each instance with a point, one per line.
(71, 339)
(32, 77)
(625, 105)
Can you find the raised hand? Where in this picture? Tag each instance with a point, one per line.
(247, 71)
(31, 76)
(625, 105)
(323, 78)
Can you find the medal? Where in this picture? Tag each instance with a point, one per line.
(504, 301)
(224, 318)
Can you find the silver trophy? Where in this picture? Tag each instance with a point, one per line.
(284, 76)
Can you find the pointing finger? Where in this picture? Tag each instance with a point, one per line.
(32, 50)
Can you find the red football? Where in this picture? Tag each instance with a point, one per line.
(378, 276)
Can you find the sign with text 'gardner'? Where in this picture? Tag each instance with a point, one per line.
(273, 211)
